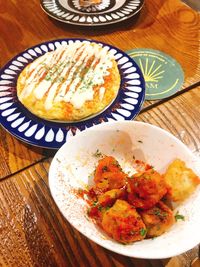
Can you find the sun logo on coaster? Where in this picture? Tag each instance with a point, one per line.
(152, 72)
(163, 75)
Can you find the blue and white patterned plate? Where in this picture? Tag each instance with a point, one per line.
(107, 12)
(17, 120)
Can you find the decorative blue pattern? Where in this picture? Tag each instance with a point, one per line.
(33, 130)
(107, 12)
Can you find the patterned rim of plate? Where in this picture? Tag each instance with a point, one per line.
(18, 121)
(107, 12)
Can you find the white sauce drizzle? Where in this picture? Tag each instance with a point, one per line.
(68, 74)
(101, 93)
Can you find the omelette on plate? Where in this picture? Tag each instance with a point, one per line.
(71, 83)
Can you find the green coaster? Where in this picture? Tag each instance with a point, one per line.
(163, 75)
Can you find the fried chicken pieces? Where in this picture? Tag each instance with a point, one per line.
(132, 208)
(123, 223)
(109, 175)
(146, 188)
(157, 219)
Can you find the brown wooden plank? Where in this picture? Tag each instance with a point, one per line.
(15, 155)
(183, 260)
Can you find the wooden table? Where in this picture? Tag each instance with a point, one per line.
(32, 230)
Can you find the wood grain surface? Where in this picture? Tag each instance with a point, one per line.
(16, 155)
(34, 233)
(32, 230)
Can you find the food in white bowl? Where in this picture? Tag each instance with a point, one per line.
(134, 207)
(72, 169)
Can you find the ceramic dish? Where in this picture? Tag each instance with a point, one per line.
(108, 12)
(16, 119)
(73, 164)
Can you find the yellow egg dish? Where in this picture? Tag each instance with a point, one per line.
(71, 83)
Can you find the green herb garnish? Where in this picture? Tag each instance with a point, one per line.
(94, 203)
(143, 232)
(48, 77)
(159, 213)
(97, 153)
(99, 208)
(179, 216)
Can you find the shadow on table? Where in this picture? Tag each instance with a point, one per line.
(98, 30)
(195, 4)
(123, 260)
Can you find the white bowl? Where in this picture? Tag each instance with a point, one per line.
(73, 164)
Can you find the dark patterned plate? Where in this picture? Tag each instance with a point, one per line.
(107, 12)
(17, 120)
